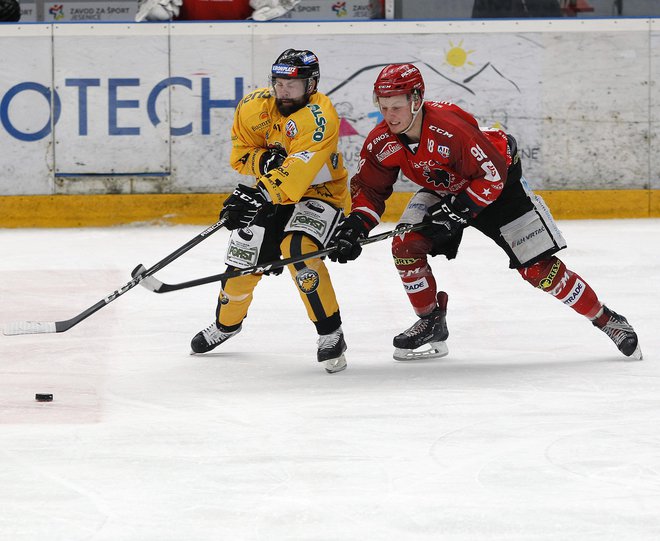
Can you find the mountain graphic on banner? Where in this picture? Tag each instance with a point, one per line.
(346, 128)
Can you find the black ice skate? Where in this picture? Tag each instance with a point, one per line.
(331, 351)
(620, 331)
(211, 337)
(429, 332)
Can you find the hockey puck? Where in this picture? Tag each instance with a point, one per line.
(43, 397)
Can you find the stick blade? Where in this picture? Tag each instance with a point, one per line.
(29, 327)
(150, 283)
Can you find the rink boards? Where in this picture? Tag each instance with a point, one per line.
(137, 116)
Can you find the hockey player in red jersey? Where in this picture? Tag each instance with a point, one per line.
(468, 177)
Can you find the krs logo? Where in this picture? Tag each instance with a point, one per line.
(546, 282)
(405, 260)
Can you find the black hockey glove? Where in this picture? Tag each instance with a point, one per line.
(447, 217)
(272, 158)
(241, 207)
(346, 238)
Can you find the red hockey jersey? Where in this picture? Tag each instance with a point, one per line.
(453, 156)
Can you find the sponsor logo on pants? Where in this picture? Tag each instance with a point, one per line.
(307, 280)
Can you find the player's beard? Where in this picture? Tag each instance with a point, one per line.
(289, 106)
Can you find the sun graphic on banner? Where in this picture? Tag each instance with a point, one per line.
(457, 56)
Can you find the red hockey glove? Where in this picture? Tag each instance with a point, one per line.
(241, 207)
(346, 238)
(447, 217)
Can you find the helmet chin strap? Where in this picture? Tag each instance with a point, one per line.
(414, 113)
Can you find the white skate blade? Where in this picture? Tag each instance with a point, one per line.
(435, 350)
(335, 365)
(637, 354)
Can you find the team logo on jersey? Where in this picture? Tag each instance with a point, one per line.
(388, 149)
(443, 151)
(438, 177)
(291, 130)
(307, 280)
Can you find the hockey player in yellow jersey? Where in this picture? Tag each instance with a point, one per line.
(285, 136)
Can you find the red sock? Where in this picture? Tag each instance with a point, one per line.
(410, 258)
(552, 276)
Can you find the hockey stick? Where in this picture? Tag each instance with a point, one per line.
(37, 327)
(154, 284)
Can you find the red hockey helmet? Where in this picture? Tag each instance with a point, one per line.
(398, 79)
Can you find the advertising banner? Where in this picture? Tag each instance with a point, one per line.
(94, 10)
(336, 10)
(129, 108)
(26, 104)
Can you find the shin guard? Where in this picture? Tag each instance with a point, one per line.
(552, 276)
(235, 299)
(410, 252)
(312, 280)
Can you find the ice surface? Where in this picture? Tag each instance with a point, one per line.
(533, 428)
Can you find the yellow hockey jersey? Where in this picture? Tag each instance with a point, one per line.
(314, 167)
